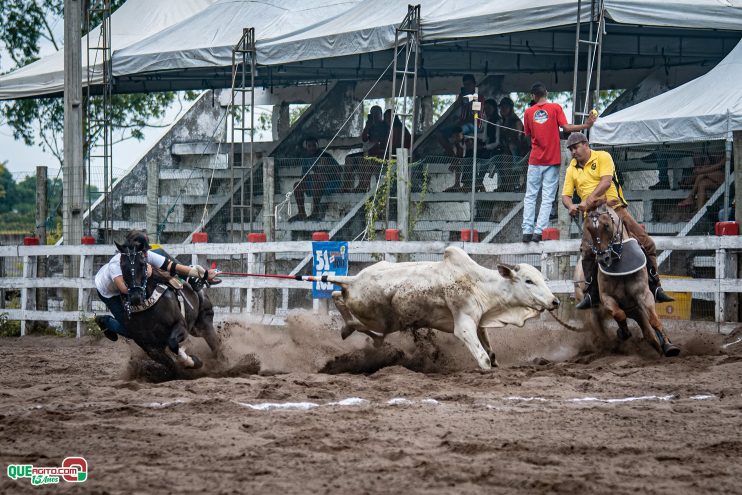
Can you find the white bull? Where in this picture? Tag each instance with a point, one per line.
(455, 295)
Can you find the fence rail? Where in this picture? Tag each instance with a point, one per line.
(246, 294)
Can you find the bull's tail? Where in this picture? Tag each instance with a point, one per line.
(340, 280)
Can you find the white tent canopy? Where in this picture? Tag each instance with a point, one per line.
(207, 40)
(370, 26)
(132, 22)
(703, 109)
(178, 44)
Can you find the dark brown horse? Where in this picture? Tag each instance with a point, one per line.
(623, 279)
(161, 317)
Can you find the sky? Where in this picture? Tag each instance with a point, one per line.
(21, 160)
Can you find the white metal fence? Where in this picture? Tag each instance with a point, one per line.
(556, 260)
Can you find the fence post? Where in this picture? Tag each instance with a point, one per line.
(24, 292)
(41, 207)
(563, 220)
(403, 192)
(269, 187)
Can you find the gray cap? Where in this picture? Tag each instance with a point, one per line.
(576, 137)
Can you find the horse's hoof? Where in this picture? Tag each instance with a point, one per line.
(623, 334)
(197, 363)
(670, 350)
(345, 332)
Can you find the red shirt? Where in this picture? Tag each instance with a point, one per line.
(542, 122)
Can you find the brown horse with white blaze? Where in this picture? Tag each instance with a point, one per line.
(623, 279)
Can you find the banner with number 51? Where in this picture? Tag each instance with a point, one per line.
(329, 258)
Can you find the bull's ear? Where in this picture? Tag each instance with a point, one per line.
(121, 248)
(506, 271)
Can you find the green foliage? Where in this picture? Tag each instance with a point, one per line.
(418, 206)
(91, 328)
(18, 203)
(376, 204)
(8, 327)
(296, 111)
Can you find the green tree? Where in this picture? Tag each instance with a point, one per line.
(24, 26)
(18, 203)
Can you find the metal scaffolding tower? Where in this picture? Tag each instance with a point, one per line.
(99, 111)
(407, 47)
(580, 108)
(407, 39)
(243, 88)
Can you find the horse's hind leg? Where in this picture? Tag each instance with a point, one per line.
(204, 326)
(618, 314)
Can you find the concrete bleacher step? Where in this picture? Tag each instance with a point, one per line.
(171, 200)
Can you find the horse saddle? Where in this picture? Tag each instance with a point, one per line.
(631, 260)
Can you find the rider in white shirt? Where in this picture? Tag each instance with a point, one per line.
(109, 282)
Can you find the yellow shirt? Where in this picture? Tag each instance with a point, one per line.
(585, 179)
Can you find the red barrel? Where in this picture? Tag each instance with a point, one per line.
(550, 234)
(466, 235)
(200, 237)
(30, 241)
(726, 228)
(392, 234)
(256, 237)
(88, 240)
(320, 236)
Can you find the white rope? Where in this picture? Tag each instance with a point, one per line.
(498, 125)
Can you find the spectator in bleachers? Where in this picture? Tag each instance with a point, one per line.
(399, 130)
(489, 140)
(465, 118)
(375, 134)
(708, 174)
(542, 122)
(458, 151)
(512, 137)
(320, 176)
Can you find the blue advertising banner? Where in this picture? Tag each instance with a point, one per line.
(329, 258)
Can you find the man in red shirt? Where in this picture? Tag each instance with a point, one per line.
(542, 122)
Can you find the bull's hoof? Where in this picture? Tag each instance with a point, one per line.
(670, 350)
(622, 334)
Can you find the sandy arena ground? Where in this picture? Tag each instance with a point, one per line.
(299, 411)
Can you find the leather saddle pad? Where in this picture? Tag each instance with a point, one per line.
(632, 260)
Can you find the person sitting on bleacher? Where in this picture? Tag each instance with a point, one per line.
(708, 175)
(320, 176)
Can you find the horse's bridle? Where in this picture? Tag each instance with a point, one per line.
(615, 247)
(131, 256)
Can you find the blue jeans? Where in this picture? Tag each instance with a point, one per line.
(546, 176)
(116, 307)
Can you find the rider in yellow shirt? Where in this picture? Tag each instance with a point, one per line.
(592, 175)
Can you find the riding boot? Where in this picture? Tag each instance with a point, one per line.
(591, 293)
(658, 292)
(111, 327)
